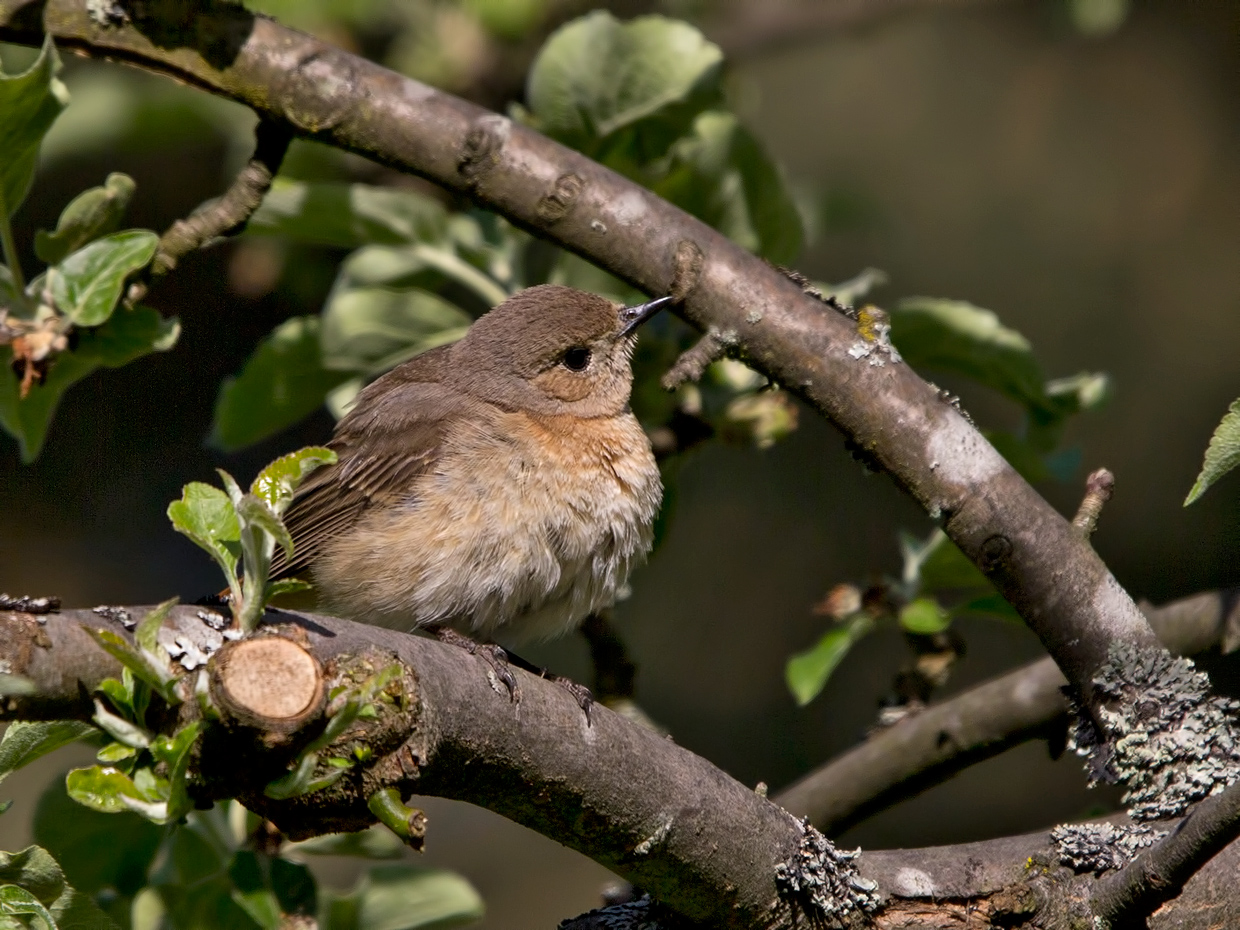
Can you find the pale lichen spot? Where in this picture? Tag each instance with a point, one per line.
(914, 883)
(961, 454)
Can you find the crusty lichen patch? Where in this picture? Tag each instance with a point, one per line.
(821, 883)
(1168, 740)
(1099, 847)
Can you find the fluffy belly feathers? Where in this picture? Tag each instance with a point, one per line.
(549, 529)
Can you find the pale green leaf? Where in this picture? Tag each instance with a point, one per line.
(29, 104)
(284, 381)
(347, 215)
(403, 897)
(24, 741)
(957, 337)
(1222, 455)
(208, 517)
(16, 901)
(597, 75)
(147, 667)
(276, 483)
(807, 672)
(924, 617)
(89, 215)
(102, 788)
(372, 329)
(87, 285)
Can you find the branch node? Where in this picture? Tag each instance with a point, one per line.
(686, 269)
(556, 203)
(1099, 487)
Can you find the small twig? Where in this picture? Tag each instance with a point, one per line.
(1098, 489)
(694, 361)
(232, 211)
(1126, 898)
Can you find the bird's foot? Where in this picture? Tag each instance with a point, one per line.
(580, 693)
(494, 656)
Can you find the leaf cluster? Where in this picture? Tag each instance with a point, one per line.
(72, 318)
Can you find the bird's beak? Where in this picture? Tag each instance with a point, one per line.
(633, 317)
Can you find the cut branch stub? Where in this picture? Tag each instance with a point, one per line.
(269, 683)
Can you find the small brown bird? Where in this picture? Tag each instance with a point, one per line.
(500, 484)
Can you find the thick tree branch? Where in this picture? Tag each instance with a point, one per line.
(1034, 556)
(662, 817)
(926, 748)
(655, 813)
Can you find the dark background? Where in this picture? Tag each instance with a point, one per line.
(1085, 187)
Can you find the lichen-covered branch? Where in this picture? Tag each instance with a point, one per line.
(709, 848)
(928, 747)
(1034, 556)
(1125, 899)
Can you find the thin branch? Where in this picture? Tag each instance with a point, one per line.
(1099, 487)
(926, 748)
(1035, 557)
(228, 214)
(1126, 898)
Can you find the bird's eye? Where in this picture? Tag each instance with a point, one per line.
(577, 358)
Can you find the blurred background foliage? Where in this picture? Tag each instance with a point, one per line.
(1071, 166)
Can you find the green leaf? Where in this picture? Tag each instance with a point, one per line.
(372, 329)
(924, 617)
(102, 788)
(87, 285)
(34, 870)
(18, 902)
(1222, 455)
(174, 752)
(402, 897)
(120, 729)
(284, 381)
(992, 605)
(955, 336)
(376, 843)
(147, 667)
(938, 565)
(76, 836)
(91, 214)
(146, 633)
(207, 516)
(722, 175)
(29, 104)
(276, 483)
(597, 75)
(347, 215)
(255, 515)
(128, 335)
(807, 673)
(287, 586)
(23, 741)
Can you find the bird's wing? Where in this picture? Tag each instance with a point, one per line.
(393, 436)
